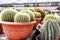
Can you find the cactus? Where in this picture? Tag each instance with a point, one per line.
(50, 30)
(8, 15)
(48, 16)
(22, 17)
(37, 14)
(32, 10)
(37, 9)
(58, 19)
(30, 13)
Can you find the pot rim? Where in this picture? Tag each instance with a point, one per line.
(15, 23)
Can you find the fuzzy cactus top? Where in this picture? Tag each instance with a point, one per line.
(22, 17)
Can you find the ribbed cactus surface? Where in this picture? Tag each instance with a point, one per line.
(30, 13)
(8, 15)
(50, 30)
(49, 16)
(37, 14)
(22, 17)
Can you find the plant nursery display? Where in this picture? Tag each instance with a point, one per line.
(36, 15)
(30, 24)
(16, 25)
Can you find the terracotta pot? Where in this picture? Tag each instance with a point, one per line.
(17, 30)
(38, 20)
(58, 38)
(15, 39)
(1, 29)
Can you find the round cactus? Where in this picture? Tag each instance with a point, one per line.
(8, 15)
(37, 14)
(22, 17)
(32, 10)
(48, 16)
(50, 30)
(58, 19)
(30, 13)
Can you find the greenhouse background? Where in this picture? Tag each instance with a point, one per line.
(41, 21)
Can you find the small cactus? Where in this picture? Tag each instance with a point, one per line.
(30, 13)
(22, 17)
(8, 14)
(37, 14)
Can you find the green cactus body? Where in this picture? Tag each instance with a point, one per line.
(32, 10)
(30, 13)
(50, 30)
(8, 15)
(37, 14)
(58, 19)
(48, 16)
(22, 17)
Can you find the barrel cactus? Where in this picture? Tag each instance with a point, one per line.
(48, 16)
(22, 17)
(30, 13)
(8, 15)
(32, 10)
(37, 14)
(58, 19)
(37, 9)
(50, 30)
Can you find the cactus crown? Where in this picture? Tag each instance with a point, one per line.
(8, 15)
(22, 17)
(48, 16)
(30, 13)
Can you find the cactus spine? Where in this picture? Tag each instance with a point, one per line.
(50, 30)
(22, 17)
(8, 15)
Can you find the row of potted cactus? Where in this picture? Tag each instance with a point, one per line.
(18, 25)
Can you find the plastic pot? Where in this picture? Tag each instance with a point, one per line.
(17, 30)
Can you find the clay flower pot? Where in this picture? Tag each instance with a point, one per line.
(38, 20)
(58, 38)
(17, 30)
(1, 29)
